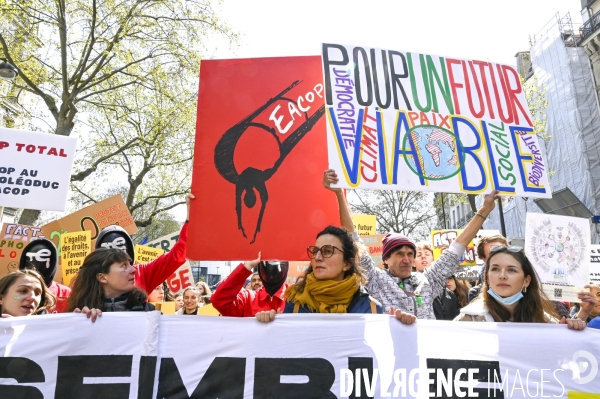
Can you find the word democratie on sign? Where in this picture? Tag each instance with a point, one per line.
(146, 355)
(408, 121)
(35, 169)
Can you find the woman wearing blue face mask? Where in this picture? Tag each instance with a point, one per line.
(512, 292)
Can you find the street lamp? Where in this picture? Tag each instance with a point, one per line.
(7, 71)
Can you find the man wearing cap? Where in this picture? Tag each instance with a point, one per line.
(231, 300)
(411, 294)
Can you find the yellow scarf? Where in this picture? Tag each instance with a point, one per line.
(325, 296)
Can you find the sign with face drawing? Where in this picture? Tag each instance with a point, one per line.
(259, 159)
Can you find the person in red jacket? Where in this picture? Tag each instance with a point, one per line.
(41, 255)
(150, 275)
(230, 299)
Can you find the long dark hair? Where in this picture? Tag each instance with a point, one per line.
(534, 304)
(350, 256)
(87, 290)
(461, 291)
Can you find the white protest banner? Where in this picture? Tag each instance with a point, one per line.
(35, 169)
(407, 121)
(66, 356)
(559, 249)
(296, 356)
(595, 264)
(183, 276)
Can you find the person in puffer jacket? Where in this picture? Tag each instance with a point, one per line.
(150, 275)
(41, 255)
(106, 283)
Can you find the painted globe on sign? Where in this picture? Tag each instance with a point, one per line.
(440, 152)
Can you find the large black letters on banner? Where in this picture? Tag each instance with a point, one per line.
(268, 372)
(72, 370)
(224, 379)
(486, 368)
(146, 377)
(24, 371)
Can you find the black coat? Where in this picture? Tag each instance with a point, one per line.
(445, 306)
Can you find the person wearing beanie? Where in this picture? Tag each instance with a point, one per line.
(150, 275)
(407, 294)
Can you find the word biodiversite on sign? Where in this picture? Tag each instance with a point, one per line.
(409, 121)
(35, 169)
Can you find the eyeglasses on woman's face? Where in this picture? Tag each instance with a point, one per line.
(327, 251)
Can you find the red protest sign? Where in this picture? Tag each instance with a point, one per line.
(260, 153)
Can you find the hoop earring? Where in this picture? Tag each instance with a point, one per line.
(524, 290)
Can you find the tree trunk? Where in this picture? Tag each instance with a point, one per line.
(29, 216)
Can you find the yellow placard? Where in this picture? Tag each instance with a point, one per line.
(165, 307)
(208, 310)
(583, 395)
(145, 254)
(74, 247)
(365, 225)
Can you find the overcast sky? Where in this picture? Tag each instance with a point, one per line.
(477, 29)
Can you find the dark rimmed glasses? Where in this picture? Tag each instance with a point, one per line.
(326, 251)
(510, 248)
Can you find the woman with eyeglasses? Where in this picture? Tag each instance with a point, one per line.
(106, 283)
(512, 292)
(333, 283)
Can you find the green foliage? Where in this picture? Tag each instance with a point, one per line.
(537, 103)
(124, 76)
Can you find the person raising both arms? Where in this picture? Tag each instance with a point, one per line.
(410, 295)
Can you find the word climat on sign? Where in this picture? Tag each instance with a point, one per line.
(408, 121)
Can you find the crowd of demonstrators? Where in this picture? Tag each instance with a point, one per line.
(341, 278)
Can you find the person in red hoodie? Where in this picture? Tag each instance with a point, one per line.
(231, 299)
(150, 275)
(41, 255)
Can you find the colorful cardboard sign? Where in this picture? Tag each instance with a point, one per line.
(398, 120)
(13, 238)
(93, 218)
(35, 169)
(559, 249)
(259, 158)
(74, 247)
(145, 254)
(365, 225)
(183, 276)
(441, 239)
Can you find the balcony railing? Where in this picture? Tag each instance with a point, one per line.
(460, 223)
(589, 27)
